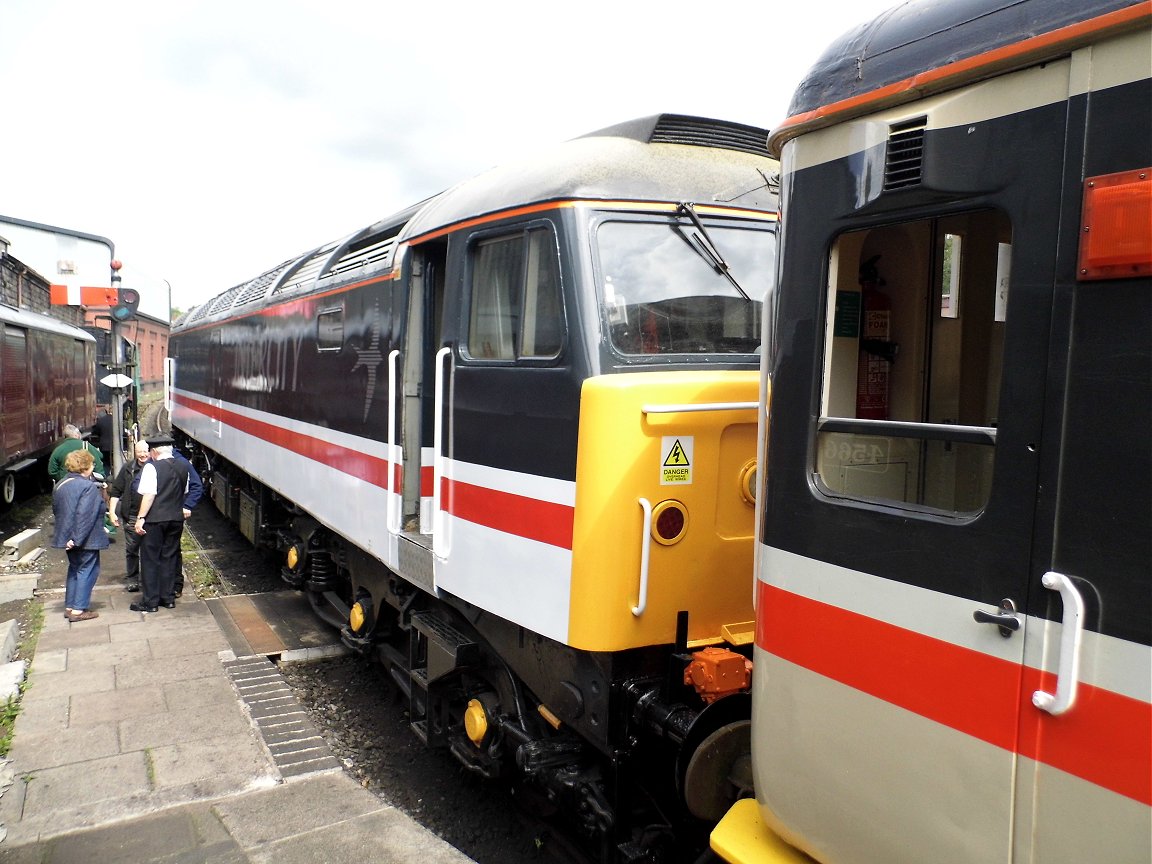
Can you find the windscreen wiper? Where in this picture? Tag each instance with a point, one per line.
(703, 243)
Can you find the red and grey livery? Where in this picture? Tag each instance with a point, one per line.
(954, 618)
(507, 439)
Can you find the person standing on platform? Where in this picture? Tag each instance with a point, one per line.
(102, 432)
(160, 521)
(123, 505)
(72, 441)
(78, 510)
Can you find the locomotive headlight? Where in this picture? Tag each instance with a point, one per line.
(669, 522)
(748, 483)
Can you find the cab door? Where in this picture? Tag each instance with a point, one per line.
(507, 446)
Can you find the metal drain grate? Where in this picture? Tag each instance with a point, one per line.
(296, 745)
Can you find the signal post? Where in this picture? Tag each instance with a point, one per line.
(122, 304)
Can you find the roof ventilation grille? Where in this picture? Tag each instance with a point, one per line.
(701, 132)
(904, 160)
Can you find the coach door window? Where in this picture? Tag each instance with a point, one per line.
(912, 363)
(516, 310)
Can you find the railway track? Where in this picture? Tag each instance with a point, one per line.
(354, 703)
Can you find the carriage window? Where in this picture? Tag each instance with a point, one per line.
(913, 358)
(517, 310)
(330, 330)
(662, 294)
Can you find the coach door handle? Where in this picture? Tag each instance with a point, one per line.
(1006, 620)
(1072, 630)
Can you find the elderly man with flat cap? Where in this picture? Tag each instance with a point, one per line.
(160, 520)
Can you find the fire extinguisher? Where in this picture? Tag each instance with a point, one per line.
(877, 350)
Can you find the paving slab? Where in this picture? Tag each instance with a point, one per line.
(113, 706)
(186, 832)
(47, 685)
(383, 835)
(44, 715)
(293, 809)
(238, 756)
(198, 694)
(171, 727)
(104, 654)
(55, 790)
(167, 669)
(37, 750)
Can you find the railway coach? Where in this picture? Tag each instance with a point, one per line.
(506, 440)
(46, 370)
(955, 562)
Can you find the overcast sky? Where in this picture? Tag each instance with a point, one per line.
(211, 140)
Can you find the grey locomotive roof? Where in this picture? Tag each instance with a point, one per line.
(605, 166)
(641, 159)
(918, 36)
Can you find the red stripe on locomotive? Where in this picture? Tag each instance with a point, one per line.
(531, 518)
(371, 469)
(522, 516)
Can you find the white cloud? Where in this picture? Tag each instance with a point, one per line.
(210, 140)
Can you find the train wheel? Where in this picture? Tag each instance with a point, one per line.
(8, 490)
(714, 765)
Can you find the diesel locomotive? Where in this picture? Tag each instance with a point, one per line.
(954, 623)
(506, 441)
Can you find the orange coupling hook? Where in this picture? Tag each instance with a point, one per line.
(718, 672)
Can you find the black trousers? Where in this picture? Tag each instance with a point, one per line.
(132, 542)
(159, 556)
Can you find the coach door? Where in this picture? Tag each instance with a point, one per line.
(932, 477)
(1085, 760)
(909, 547)
(1085, 782)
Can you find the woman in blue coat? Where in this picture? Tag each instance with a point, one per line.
(78, 506)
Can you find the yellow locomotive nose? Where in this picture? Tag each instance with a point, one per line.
(668, 460)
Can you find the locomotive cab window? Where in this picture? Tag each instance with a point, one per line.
(664, 288)
(517, 311)
(912, 363)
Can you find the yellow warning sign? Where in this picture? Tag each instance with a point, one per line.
(676, 460)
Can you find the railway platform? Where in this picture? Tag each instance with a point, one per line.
(171, 737)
